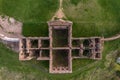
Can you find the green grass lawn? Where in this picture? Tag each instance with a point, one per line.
(90, 18)
(93, 17)
(38, 69)
(35, 29)
(36, 11)
(33, 13)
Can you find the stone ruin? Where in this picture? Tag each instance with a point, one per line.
(60, 48)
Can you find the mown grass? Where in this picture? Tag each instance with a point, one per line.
(30, 10)
(75, 2)
(39, 69)
(33, 13)
(93, 17)
(35, 29)
(0, 6)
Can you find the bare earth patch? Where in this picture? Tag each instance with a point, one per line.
(10, 27)
(59, 14)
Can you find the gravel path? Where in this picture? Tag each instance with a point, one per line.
(59, 14)
(112, 38)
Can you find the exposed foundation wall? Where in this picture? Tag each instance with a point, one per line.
(51, 57)
(87, 47)
(59, 29)
(62, 63)
(43, 48)
(60, 37)
(33, 48)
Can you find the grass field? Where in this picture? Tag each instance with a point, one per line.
(90, 18)
(33, 13)
(93, 17)
(38, 70)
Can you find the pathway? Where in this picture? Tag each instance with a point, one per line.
(59, 14)
(112, 38)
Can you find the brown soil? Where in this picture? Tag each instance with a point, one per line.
(9, 27)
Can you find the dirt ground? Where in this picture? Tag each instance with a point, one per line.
(9, 27)
(59, 14)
